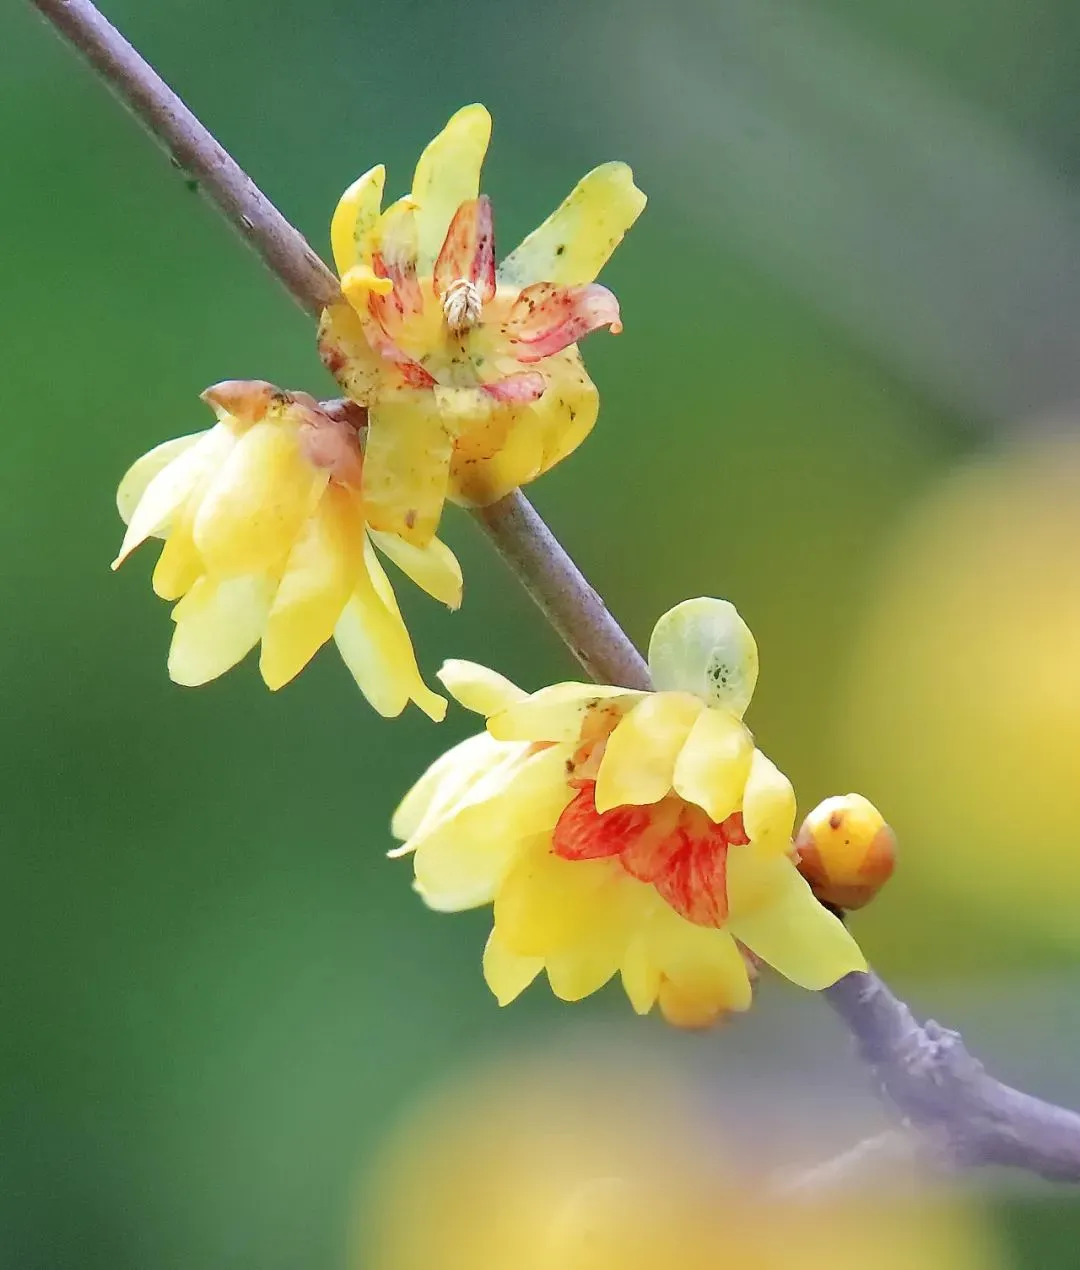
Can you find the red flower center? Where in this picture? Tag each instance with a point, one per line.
(672, 845)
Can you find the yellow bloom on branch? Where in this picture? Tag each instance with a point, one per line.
(266, 540)
(617, 831)
(471, 372)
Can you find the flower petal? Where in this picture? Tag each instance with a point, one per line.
(640, 975)
(583, 833)
(444, 783)
(703, 646)
(406, 467)
(479, 689)
(179, 566)
(713, 766)
(448, 174)
(139, 475)
(170, 487)
(546, 318)
(374, 644)
(639, 760)
(506, 973)
(393, 256)
(469, 250)
(256, 502)
(433, 568)
(460, 869)
(218, 622)
(703, 963)
(516, 461)
(555, 713)
(319, 578)
(768, 805)
(789, 929)
(547, 905)
(354, 219)
(574, 243)
(348, 356)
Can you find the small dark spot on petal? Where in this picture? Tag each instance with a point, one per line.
(836, 820)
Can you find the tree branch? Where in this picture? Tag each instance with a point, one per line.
(925, 1071)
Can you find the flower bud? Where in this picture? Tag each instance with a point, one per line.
(846, 851)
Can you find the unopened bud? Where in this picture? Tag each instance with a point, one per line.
(846, 851)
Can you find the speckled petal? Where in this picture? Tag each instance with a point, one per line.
(574, 243)
(518, 460)
(406, 467)
(479, 689)
(469, 250)
(703, 646)
(348, 356)
(714, 764)
(508, 974)
(256, 503)
(547, 318)
(447, 174)
(355, 218)
(433, 568)
(788, 928)
(555, 713)
(217, 625)
(639, 760)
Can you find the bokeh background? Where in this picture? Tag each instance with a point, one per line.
(845, 399)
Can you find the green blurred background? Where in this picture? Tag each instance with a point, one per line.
(859, 268)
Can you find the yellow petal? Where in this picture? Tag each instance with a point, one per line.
(254, 506)
(354, 219)
(319, 577)
(508, 974)
(448, 173)
(477, 688)
(217, 625)
(347, 355)
(703, 646)
(789, 929)
(714, 764)
(555, 713)
(567, 411)
(374, 644)
(517, 461)
(442, 786)
(574, 243)
(433, 568)
(457, 871)
(639, 759)
(595, 957)
(139, 475)
(768, 805)
(406, 467)
(179, 566)
(702, 962)
(640, 975)
(169, 489)
(546, 905)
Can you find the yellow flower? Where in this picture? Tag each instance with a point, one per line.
(266, 540)
(621, 831)
(471, 372)
(846, 851)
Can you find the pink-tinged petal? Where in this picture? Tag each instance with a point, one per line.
(583, 833)
(412, 374)
(394, 257)
(469, 249)
(526, 387)
(546, 318)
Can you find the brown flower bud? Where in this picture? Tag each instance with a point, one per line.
(846, 851)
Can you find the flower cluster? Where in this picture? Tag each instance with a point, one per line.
(638, 833)
(613, 832)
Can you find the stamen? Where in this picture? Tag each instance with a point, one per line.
(462, 305)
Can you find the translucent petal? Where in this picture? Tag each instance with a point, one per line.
(714, 764)
(139, 475)
(374, 644)
(479, 689)
(257, 501)
(459, 870)
(768, 806)
(703, 646)
(447, 174)
(574, 243)
(217, 624)
(788, 929)
(406, 467)
(508, 974)
(433, 568)
(546, 318)
(639, 761)
(319, 577)
(179, 566)
(354, 219)
(442, 785)
(171, 486)
(555, 713)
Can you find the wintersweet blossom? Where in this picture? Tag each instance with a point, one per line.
(622, 831)
(471, 372)
(266, 540)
